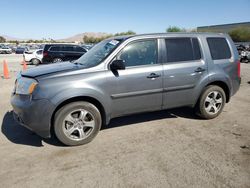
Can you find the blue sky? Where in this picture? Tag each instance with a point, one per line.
(64, 18)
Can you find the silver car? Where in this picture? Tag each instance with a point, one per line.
(127, 75)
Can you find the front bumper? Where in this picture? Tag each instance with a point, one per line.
(33, 114)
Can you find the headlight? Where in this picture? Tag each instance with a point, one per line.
(25, 86)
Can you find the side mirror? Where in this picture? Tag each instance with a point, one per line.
(117, 65)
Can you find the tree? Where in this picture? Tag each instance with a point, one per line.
(129, 32)
(241, 34)
(2, 39)
(174, 29)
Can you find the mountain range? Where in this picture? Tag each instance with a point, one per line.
(77, 37)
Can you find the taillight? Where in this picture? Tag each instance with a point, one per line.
(45, 54)
(238, 68)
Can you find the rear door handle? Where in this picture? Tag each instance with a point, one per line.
(153, 75)
(199, 69)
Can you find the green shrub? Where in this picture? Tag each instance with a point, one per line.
(174, 29)
(88, 39)
(241, 34)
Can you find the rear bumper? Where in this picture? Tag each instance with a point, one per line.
(33, 114)
(235, 86)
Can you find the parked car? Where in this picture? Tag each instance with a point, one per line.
(87, 46)
(5, 50)
(53, 53)
(21, 50)
(245, 56)
(127, 75)
(34, 57)
(244, 52)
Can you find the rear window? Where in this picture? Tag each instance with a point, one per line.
(219, 48)
(39, 52)
(182, 49)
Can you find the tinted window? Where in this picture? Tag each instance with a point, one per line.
(139, 53)
(219, 48)
(196, 49)
(55, 48)
(79, 49)
(39, 52)
(68, 48)
(182, 49)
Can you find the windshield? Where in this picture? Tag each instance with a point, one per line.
(98, 53)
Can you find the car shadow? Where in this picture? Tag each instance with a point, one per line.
(184, 112)
(20, 135)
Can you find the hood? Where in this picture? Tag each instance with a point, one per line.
(50, 69)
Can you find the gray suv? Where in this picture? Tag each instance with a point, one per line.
(127, 75)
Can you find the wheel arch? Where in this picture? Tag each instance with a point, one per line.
(224, 86)
(91, 100)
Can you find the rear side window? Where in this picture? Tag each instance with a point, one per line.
(182, 49)
(68, 48)
(79, 49)
(55, 48)
(219, 48)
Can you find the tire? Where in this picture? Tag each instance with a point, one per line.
(35, 61)
(211, 102)
(77, 123)
(57, 60)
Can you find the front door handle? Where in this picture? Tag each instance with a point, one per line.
(199, 69)
(153, 75)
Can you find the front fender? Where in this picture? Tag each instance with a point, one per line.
(67, 94)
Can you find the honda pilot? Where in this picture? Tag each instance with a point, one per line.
(127, 75)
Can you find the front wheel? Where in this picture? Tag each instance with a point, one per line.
(77, 123)
(211, 102)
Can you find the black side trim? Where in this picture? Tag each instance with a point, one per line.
(176, 88)
(136, 93)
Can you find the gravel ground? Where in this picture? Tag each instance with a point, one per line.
(161, 149)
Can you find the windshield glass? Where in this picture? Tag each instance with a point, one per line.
(98, 53)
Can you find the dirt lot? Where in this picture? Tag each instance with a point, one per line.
(162, 149)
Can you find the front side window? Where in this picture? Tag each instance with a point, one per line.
(219, 48)
(139, 53)
(182, 49)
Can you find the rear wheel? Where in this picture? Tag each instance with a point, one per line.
(56, 60)
(35, 61)
(77, 123)
(211, 102)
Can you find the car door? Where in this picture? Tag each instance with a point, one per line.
(68, 52)
(78, 52)
(138, 88)
(183, 69)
